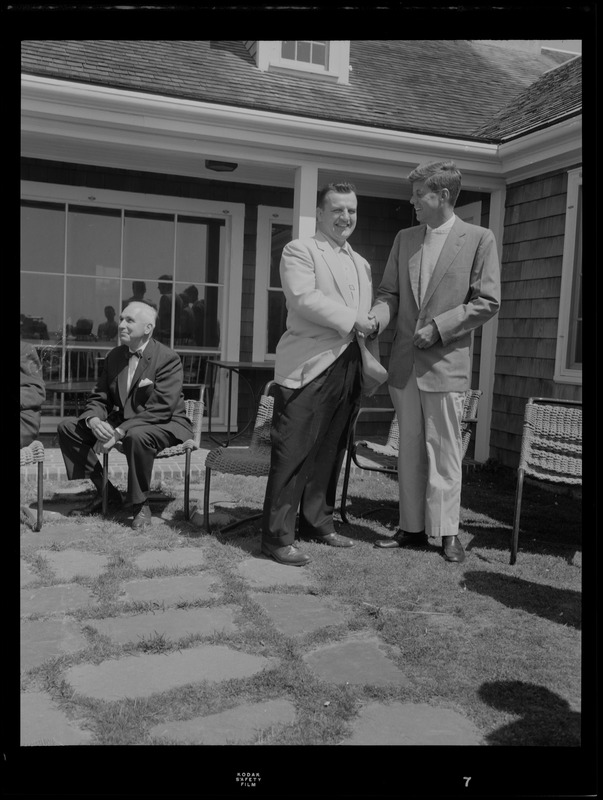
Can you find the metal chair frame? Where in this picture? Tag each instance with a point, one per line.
(388, 452)
(33, 453)
(551, 449)
(252, 460)
(194, 411)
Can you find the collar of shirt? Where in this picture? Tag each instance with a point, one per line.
(138, 349)
(445, 227)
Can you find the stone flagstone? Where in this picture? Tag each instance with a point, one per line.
(262, 572)
(44, 639)
(298, 614)
(358, 659)
(175, 623)
(181, 557)
(44, 724)
(412, 724)
(68, 564)
(171, 589)
(143, 675)
(55, 599)
(239, 725)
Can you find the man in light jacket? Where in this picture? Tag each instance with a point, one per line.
(323, 361)
(441, 282)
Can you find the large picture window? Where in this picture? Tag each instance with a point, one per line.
(81, 264)
(568, 361)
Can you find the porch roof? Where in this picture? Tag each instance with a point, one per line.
(449, 88)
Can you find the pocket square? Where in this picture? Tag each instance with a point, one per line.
(145, 382)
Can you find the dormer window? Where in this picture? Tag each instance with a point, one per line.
(330, 60)
(308, 52)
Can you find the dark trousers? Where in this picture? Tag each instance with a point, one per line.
(309, 435)
(140, 445)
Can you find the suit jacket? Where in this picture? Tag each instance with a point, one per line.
(321, 314)
(158, 402)
(463, 293)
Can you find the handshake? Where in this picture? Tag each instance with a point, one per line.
(366, 324)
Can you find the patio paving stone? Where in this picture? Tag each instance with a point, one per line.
(55, 599)
(174, 624)
(239, 725)
(264, 572)
(45, 639)
(180, 557)
(171, 589)
(43, 723)
(68, 564)
(358, 659)
(299, 614)
(143, 675)
(412, 724)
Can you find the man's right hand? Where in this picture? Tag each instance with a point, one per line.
(102, 429)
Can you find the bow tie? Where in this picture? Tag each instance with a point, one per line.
(137, 353)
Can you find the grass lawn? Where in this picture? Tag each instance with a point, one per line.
(498, 643)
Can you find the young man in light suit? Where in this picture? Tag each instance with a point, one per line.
(323, 361)
(137, 404)
(441, 282)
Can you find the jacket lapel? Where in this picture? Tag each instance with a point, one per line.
(365, 285)
(122, 376)
(414, 260)
(454, 242)
(332, 261)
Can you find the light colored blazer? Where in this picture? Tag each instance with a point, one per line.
(463, 293)
(320, 314)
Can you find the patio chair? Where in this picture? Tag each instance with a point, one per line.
(194, 411)
(551, 449)
(33, 453)
(252, 460)
(384, 457)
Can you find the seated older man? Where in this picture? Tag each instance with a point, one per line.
(138, 405)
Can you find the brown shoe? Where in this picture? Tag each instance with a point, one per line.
(332, 539)
(142, 518)
(404, 539)
(288, 555)
(452, 549)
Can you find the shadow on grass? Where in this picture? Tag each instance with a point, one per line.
(545, 719)
(557, 605)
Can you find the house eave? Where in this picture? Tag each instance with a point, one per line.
(554, 147)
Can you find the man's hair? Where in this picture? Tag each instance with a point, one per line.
(149, 311)
(439, 175)
(340, 188)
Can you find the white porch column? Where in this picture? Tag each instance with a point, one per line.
(488, 349)
(304, 201)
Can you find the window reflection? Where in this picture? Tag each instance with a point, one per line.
(148, 244)
(93, 241)
(42, 237)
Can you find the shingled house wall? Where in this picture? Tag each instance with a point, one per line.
(529, 315)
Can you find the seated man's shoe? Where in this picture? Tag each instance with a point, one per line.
(404, 539)
(452, 549)
(95, 506)
(288, 555)
(142, 517)
(331, 539)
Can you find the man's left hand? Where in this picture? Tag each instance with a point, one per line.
(427, 336)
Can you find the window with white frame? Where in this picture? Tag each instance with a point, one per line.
(326, 59)
(568, 360)
(86, 253)
(308, 52)
(274, 231)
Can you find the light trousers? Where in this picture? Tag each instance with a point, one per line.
(430, 458)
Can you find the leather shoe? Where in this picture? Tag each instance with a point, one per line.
(288, 555)
(404, 539)
(95, 506)
(142, 518)
(452, 549)
(332, 539)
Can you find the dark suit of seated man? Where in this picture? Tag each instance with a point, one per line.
(137, 404)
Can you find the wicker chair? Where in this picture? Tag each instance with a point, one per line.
(34, 454)
(194, 411)
(252, 460)
(551, 449)
(384, 457)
